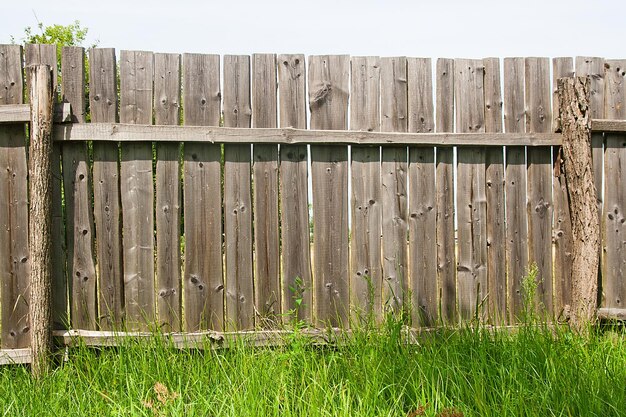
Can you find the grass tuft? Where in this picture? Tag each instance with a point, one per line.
(466, 372)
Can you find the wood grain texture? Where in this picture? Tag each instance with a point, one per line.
(15, 113)
(47, 55)
(605, 125)
(42, 54)
(106, 191)
(515, 188)
(203, 280)
(78, 186)
(471, 194)
(394, 111)
(365, 243)
(614, 231)
(494, 190)
(422, 214)
(562, 230)
(265, 193)
(137, 191)
(328, 102)
(446, 242)
(540, 202)
(168, 257)
(41, 97)
(593, 67)
(575, 110)
(238, 197)
(294, 208)
(111, 132)
(14, 248)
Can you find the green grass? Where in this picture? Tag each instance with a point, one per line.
(534, 372)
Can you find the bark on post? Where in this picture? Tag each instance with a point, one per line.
(575, 121)
(40, 220)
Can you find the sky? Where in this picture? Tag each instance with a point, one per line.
(442, 28)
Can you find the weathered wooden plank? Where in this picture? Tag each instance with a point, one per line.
(422, 219)
(515, 188)
(203, 279)
(420, 99)
(137, 191)
(15, 356)
(540, 206)
(297, 287)
(604, 125)
(614, 229)
(42, 54)
(167, 112)
(47, 54)
(106, 192)
(265, 194)
(15, 113)
(290, 136)
(394, 110)
(365, 243)
(238, 197)
(471, 194)
(494, 190)
(446, 242)
(562, 231)
(328, 101)
(612, 313)
(77, 182)
(14, 249)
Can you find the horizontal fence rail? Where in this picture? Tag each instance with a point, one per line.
(189, 195)
(116, 132)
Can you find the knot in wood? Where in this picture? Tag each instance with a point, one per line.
(320, 95)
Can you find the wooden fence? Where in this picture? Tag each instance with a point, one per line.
(422, 208)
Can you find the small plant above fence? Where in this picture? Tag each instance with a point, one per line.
(184, 192)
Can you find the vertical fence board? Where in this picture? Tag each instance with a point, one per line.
(238, 197)
(471, 194)
(77, 184)
(294, 209)
(106, 198)
(446, 242)
(328, 101)
(203, 280)
(137, 191)
(394, 112)
(422, 217)
(14, 249)
(614, 226)
(562, 233)
(265, 175)
(47, 54)
(494, 190)
(539, 120)
(515, 188)
(167, 112)
(365, 243)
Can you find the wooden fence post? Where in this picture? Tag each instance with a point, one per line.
(40, 220)
(575, 121)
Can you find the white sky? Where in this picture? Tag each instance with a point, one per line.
(452, 28)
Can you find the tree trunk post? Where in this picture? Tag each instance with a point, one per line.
(40, 220)
(575, 122)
